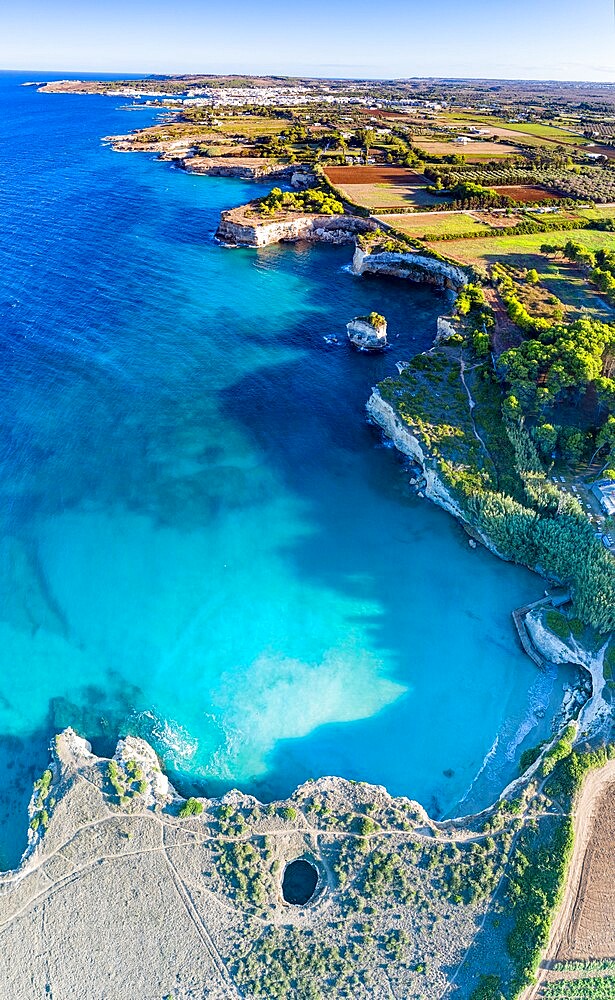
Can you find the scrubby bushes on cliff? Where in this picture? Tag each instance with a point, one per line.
(538, 526)
(313, 200)
(551, 531)
(477, 317)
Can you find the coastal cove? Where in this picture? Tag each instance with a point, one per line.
(203, 541)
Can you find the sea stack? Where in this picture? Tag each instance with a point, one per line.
(368, 333)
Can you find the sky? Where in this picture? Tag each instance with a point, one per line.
(501, 39)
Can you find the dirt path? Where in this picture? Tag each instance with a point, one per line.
(589, 885)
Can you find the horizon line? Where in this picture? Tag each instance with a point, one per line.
(120, 75)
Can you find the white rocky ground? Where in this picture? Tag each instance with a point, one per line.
(121, 898)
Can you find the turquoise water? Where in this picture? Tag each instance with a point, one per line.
(203, 541)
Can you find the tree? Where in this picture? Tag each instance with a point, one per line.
(572, 444)
(545, 436)
(366, 137)
(512, 408)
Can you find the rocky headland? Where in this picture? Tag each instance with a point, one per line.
(173, 897)
(412, 266)
(245, 227)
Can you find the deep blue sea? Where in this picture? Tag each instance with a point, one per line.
(203, 541)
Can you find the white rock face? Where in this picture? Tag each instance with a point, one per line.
(134, 749)
(367, 336)
(413, 266)
(445, 328)
(404, 440)
(569, 651)
(212, 166)
(383, 414)
(316, 228)
(302, 178)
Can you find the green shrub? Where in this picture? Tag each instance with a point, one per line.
(563, 748)
(488, 989)
(558, 624)
(529, 756)
(191, 807)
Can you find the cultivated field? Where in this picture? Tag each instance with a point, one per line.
(524, 250)
(527, 133)
(582, 946)
(527, 193)
(426, 224)
(377, 187)
(599, 212)
(251, 125)
(559, 277)
(474, 152)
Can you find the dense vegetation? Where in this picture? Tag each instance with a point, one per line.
(505, 493)
(314, 201)
(599, 265)
(592, 988)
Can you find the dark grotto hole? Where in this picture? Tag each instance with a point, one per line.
(299, 882)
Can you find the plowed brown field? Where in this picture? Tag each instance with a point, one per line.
(584, 927)
(526, 192)
(373, 175)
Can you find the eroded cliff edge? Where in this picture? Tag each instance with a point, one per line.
(168, 897)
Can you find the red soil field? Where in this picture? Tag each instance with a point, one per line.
(527, 193)
(373, 175)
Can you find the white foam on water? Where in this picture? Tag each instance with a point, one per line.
(488, 758)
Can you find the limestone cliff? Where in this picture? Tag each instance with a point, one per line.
(557, 650)
(383, 414)
(238, 228)
(412, 266)
(405, 441)
(235, 166)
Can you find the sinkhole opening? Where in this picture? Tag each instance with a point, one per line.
(299, 882)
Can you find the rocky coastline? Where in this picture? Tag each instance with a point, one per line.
(381, 412)
(239, 228)
(145, 872)
(411, 266)
(236, 229)
(585, 702)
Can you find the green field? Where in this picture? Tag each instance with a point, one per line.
(424, 224)
(531, 129)
(560, 278)
(525, 246)
(594, 988)
(599, 212)
(250, 125)
(550, 132)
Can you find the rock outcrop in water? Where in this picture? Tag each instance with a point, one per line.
(368, 333)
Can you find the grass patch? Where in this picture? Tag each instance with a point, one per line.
(424, 225)
(558, 624)
(525, 247)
